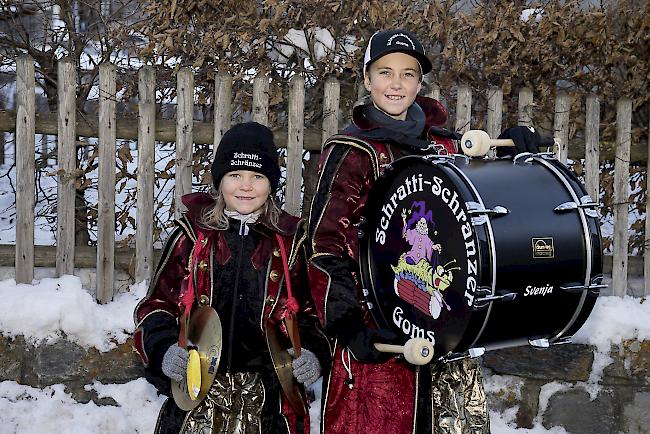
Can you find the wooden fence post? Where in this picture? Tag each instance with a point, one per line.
(494, 111)
(295, 144)
(146, 177)
(561, 124)
(621, 195)
(331, 103)
(464, 108)
(261, 99)
(66, 151)
(106, 184)
(330, 126)
(184, 148)
(434, 89)
(25, 168)
(525, 107)
(222, 107)
(646, 244)
(592, 148)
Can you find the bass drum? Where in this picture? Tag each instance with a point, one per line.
(480, 254)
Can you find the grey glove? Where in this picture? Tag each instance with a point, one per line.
(306, 368)
(174, 363)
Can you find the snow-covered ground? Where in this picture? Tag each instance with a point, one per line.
(61, 307)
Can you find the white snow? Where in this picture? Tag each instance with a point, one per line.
(26, 410)
(61, 307)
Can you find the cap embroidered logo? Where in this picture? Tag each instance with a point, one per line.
(392, 41)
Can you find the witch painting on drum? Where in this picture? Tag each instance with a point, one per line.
(368, 391)
(419, 280)
(228, 329)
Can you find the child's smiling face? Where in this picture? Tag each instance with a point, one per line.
(394, 81)
(245, 191)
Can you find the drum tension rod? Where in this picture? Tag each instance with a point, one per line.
(543, 343)
(594, 288)
(497, 210)
(570, 206)
(509, 296)
(471, 353)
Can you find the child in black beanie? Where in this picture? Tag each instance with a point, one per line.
(234, 251)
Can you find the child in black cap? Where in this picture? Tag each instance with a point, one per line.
(236, 251)
(368, 391)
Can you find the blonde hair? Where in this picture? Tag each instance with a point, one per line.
(215, 216)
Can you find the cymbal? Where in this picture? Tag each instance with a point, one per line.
(203, 334)
(278, 344)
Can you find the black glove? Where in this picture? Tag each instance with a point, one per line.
(526, 140)
(361, 344)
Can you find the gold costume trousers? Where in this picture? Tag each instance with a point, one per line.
(458, 404)
(233, 406)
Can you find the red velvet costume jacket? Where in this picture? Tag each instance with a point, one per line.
(375, 396)
(157, 314)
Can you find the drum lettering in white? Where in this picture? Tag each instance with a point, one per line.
(410, 329)
(411, 185)
(538, 290)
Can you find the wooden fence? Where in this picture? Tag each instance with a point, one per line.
(187, 132)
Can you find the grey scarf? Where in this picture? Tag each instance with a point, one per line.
(406, 132)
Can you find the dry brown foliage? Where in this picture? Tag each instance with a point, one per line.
(602, 49)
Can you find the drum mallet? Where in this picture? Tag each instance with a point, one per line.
(477, 143)
(416, 351)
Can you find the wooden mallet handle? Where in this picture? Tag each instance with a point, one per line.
(477, 143)
(416, 351)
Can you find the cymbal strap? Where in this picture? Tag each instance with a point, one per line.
(290, 319)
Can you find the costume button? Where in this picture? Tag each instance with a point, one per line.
(274, 275)
(203, 265)
(276, 253)
(204, 300)
(204, 241)
(270, 300)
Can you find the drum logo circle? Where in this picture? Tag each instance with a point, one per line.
(423, 255)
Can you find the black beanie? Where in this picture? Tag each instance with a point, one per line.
(247, 146)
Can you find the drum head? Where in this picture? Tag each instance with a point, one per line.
(419, 253)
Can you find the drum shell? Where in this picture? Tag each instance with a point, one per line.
(531, 191)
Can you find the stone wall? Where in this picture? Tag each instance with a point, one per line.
(621, 405)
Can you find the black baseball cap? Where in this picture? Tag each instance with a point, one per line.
(395, 40)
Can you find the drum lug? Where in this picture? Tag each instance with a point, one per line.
(479, 214)
(541, 343)
(566, 206)
(496, 211)
(586, 203)
(472, 353)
